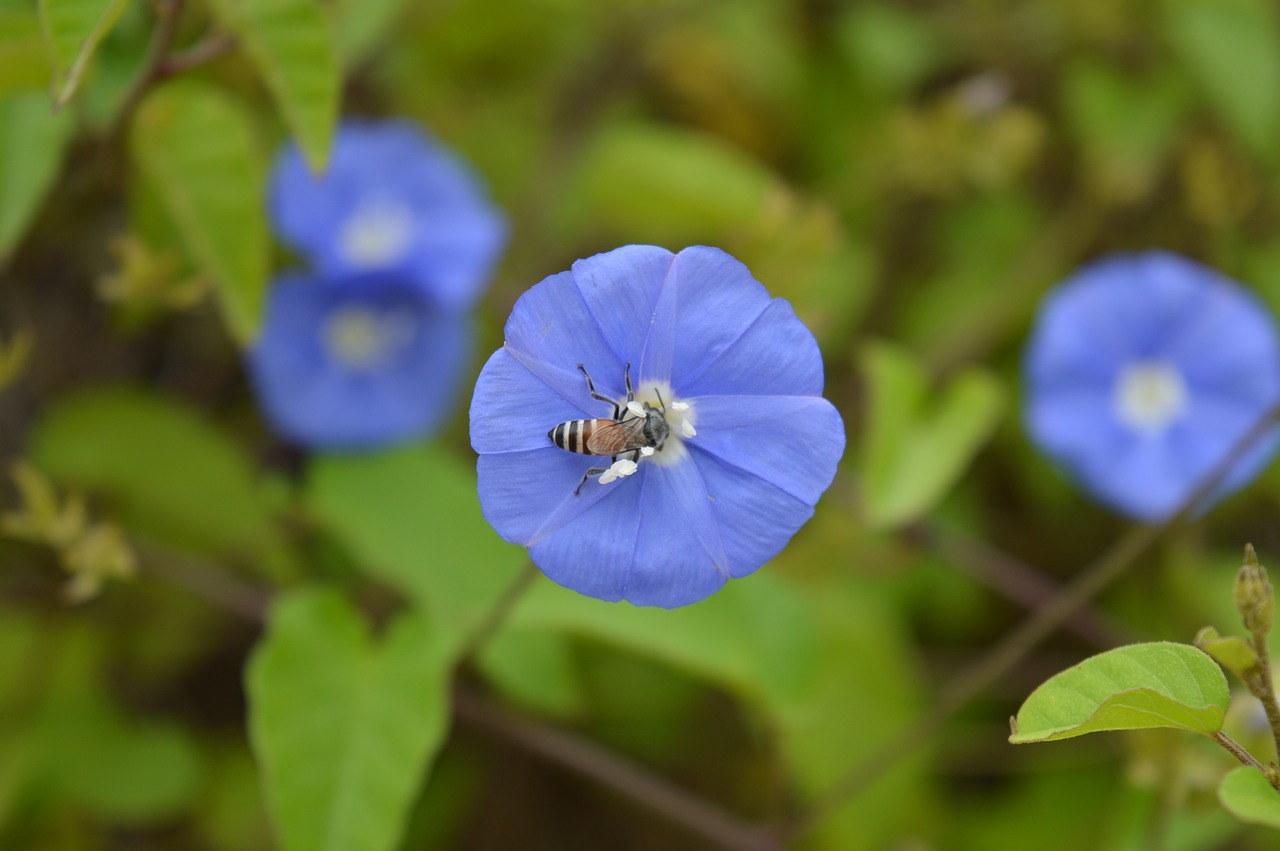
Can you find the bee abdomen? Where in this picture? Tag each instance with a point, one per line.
(573, 435)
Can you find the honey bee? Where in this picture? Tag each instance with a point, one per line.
(633, 429)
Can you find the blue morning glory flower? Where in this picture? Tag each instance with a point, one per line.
(358, 364)
(749, 443)
(1142, 372)
(393, 200)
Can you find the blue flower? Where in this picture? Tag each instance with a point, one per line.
(1142, 372)
(356, 365)
(750, 444)
(393, 200)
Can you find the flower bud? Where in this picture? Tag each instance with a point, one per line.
(1254, 597)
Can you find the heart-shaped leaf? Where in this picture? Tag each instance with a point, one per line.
(1160, 684)
(1230, 651)
(343, 727)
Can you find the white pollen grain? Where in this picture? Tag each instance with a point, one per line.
(687, 429)
(636, 408)
(646, 451)
(679, 406)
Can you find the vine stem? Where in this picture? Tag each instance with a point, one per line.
(1019, 642)
(606, 768)
(168, 16)
(1239, 752)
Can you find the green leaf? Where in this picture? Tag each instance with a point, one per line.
(344, 727)
(534, 668)
(197, 150)
(292, 45)
(1232, 47)
(912, 456)
(1231, 652)
(1160, 684)
(167, 469)
(666, 186)
(361, 24)
(119, 768)
(412, 517)
(32, 142)
(24, 58)
(73, 29)
(1246, 794)
(753, 636)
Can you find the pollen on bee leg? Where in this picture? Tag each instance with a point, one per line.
(622, 467)
(646, 451)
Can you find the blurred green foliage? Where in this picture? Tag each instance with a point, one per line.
(915, 174)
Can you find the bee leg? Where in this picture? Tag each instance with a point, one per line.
(631, 394)
(617, 409)
(594, 471)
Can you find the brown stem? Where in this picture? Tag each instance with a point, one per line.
(1237, 751)
(493, 619)
(235, 596)
(1015, 580)
(1020, 641)
(1267, 692)
(168, 16)
(608, 769)
(198, 54)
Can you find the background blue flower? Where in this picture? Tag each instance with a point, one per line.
(1142, 372)
(393, 200)
(753, 444)
(356, 365)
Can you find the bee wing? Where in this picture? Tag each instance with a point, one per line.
(608, 438)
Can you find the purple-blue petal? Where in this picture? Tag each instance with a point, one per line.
(620, 289)
(512, 409)
(1153, 308)
(457, 237)
(317, 402)
(792, 442)
(776, 355)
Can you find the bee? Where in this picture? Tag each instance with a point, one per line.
(633, 429)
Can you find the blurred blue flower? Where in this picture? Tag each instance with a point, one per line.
(393, 200)
(356, 365)
(751, 445)
(1142, 372)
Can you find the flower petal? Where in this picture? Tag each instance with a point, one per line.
(710, 299)
(317, 402)
(620, 289)
(551, 331)
(528, 496)
(755, 518)
(791, 442)
(512, 409)
(673, 558)
(776, 355)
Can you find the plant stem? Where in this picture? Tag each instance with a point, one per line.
(1019, 642)
(1237, 751)
(168, 16)
(498, 612)
(717, 826)
(1267, 691)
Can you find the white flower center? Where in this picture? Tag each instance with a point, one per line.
(361, 337)
(1149, 396)
(681, 416)
(378, 233)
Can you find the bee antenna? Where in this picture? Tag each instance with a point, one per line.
(663, 404)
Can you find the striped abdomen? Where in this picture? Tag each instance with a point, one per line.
(590, 437)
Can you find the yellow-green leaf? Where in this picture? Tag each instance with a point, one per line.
(343, 726)
(196, 148)
(292, 45)
(32, 141)
(1246, 794)
(73, 29)
(1160, 684)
